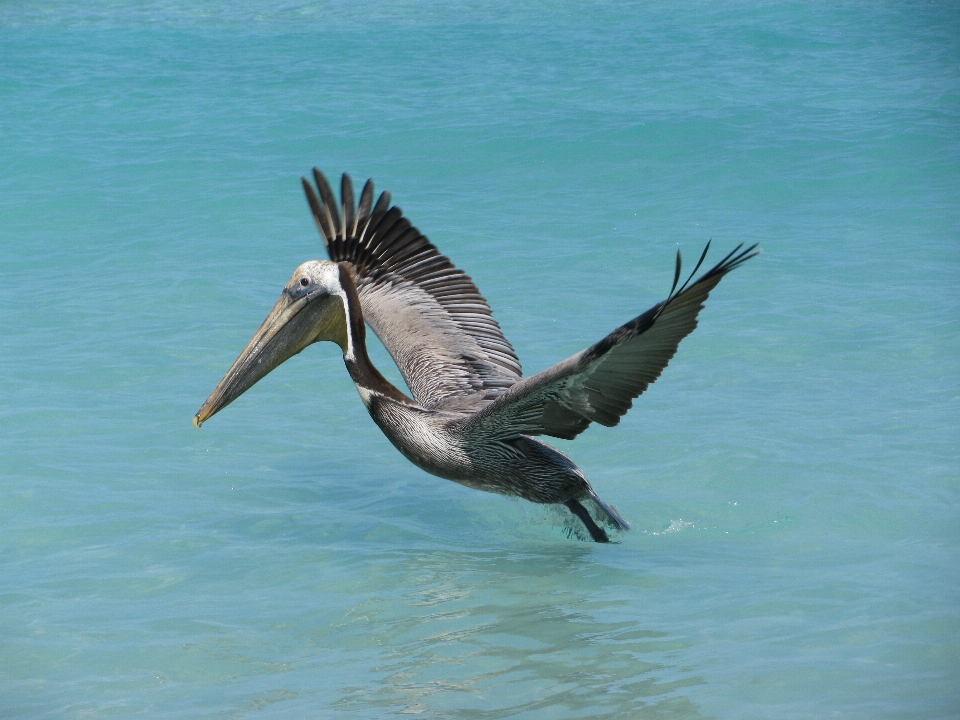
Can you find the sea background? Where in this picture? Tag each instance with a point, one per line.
(793, 479)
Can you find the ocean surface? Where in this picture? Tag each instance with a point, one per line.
(792, 480)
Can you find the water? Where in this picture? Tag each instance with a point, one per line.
(793, 478)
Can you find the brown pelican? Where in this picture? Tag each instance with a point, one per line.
(472, 418)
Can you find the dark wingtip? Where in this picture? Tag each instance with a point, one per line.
(383, 203)
(329, 202)
(734, 259)
(314, 202)
(366, 202)
(676, 274)
(703, 256)
(349, 214)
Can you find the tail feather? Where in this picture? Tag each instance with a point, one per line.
(609, 516)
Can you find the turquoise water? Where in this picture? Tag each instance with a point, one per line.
(793, 479)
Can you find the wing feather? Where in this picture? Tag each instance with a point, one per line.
(600, 383)
(429, 315)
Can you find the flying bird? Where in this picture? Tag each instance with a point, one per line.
(473, 418)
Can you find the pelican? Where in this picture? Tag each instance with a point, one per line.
(473, 418)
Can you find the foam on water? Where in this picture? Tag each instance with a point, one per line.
(792, 480)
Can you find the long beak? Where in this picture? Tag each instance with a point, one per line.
(287, 330)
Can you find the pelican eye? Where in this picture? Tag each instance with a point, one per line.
(304, 282)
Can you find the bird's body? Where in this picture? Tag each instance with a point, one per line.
(436, 442)
(472, 418)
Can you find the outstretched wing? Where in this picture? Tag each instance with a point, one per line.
(600, 383)
(429, 315)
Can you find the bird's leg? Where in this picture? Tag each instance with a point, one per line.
(596, 532)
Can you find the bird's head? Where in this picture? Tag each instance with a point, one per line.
(312, 307)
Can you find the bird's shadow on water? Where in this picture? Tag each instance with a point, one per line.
(533, 628)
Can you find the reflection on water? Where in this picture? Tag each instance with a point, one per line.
(492, 633)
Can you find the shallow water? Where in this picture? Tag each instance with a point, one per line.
(792, 479)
